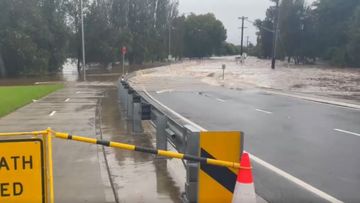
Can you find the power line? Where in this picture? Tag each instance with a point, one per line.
(260, 26)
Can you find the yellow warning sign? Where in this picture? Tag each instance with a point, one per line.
(216, 184)
(22, 171)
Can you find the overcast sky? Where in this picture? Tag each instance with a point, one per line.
(228, 12)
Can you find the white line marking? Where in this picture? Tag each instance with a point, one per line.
(52, 113)
(263, 111)
(34, 100)
(295, 180)
(348, 132)
(318, 100)
(220, 100)
(68, 99)
(262, 162)
(163, 91)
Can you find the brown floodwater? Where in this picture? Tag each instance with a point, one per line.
(94, 72)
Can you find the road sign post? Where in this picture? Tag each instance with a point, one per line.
(223, 69)
(123, 52)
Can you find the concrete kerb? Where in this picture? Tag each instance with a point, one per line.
(313, 99)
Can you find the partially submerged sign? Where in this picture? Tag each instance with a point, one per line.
(22, 175)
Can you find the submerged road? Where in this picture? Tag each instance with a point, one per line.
(303, 151)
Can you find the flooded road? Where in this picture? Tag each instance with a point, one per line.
(137, 177)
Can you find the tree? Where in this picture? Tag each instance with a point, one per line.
(353, 47)
(204, 35)
(332, 24)
(33, 36)
(328, 29)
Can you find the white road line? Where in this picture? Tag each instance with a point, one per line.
(348, 132)
(263, 111)
(34, 100)
(280, 172)
(52, 113)
(68, 99)
(295, 180)
(163, 91)
(220, 100)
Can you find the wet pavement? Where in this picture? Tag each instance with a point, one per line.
(137, 177)
(81, 171)
(78, 173)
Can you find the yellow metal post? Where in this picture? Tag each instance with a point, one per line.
(50, 165)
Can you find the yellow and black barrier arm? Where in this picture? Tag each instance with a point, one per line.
(43, 132)
(164, 153)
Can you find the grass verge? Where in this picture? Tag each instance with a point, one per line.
(14, 97)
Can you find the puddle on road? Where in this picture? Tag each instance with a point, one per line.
(138, 177)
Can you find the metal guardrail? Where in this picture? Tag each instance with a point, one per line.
(182, 136)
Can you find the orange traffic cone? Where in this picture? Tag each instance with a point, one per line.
(244, 188)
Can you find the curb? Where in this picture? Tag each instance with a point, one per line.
(319, 100)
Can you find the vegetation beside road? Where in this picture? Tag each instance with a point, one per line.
(326, 29)
(14, 97)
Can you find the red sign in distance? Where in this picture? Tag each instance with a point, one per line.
(123, 50)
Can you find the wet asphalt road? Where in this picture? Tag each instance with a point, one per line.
(294, 135)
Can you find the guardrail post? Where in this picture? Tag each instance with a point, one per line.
(161, 138)
(130, 104)
(191, 140)
(122, 91)
(126, 89)
(137, 127)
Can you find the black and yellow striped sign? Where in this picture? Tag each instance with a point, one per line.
(216, 184)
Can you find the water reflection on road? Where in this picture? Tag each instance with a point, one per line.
(138, 177)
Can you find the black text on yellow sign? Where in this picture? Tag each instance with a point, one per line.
(22, 171)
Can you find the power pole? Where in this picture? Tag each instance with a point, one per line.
(247, 41)
(276, 29)
(242, 33)
(82, 38)
(169, 56)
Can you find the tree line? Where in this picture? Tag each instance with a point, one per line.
(37, 36)
(327, 30)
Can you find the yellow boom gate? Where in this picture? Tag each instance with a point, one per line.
(26, 173)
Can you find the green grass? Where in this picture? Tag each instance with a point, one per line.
(14, 97)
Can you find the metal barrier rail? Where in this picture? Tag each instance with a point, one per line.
(138, 106)
(172, 130)
(164, 153)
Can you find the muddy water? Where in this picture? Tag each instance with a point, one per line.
(95, 72)
(137, 177)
